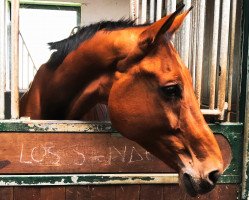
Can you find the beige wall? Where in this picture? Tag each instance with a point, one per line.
(96, 10)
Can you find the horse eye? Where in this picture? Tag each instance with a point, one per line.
(172, 91)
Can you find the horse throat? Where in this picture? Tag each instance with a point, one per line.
(90, 103)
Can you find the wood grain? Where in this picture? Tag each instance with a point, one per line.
(125, 192)
(220, 192)
(27, 193)
(149, 191)
(6, 193)
(118, 192)
(103, 193)
(78, 192)
(53, 193)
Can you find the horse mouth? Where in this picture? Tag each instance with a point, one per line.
(194, 188)
(189, 185)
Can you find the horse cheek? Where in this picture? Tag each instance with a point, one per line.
(129, 112)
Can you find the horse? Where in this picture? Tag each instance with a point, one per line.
(137, 73)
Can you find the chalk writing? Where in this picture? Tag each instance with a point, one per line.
(135, 156)
(21, 157)
(83, 158)
(122, 154)
(40, 154)
(33, 153)
(48, 154)
(148, 155)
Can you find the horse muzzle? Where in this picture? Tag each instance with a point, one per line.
(195, 185)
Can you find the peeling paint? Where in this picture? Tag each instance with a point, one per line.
(74, 179)
(44, 126)
(88, 179)
(142, 178)
(98, 179)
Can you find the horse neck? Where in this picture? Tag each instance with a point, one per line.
(100, 54)
(81, 81)
(87, 74)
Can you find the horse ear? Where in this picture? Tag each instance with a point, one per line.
(178, 22)
(167, 25)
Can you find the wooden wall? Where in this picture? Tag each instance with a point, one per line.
(118, 192)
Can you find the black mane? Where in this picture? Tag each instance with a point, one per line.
(64, 47)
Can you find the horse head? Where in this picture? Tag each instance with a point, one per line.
(152, 102)
(139, 74)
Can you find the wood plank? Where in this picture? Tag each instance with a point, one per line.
(77, 153)
(74, 153)
(6, 193)
(53, 193)
(149, 191)
(121, 192)
(142, 192)
(103, 193)
(174, 192)
(220, 192)
(27, 193)
(127, 192)
(78, 192)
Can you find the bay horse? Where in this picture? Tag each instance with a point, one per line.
(136, 71)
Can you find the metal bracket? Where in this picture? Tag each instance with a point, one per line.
(216, 112)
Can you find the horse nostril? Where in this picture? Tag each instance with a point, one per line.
(214, 176)
(209, 182)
